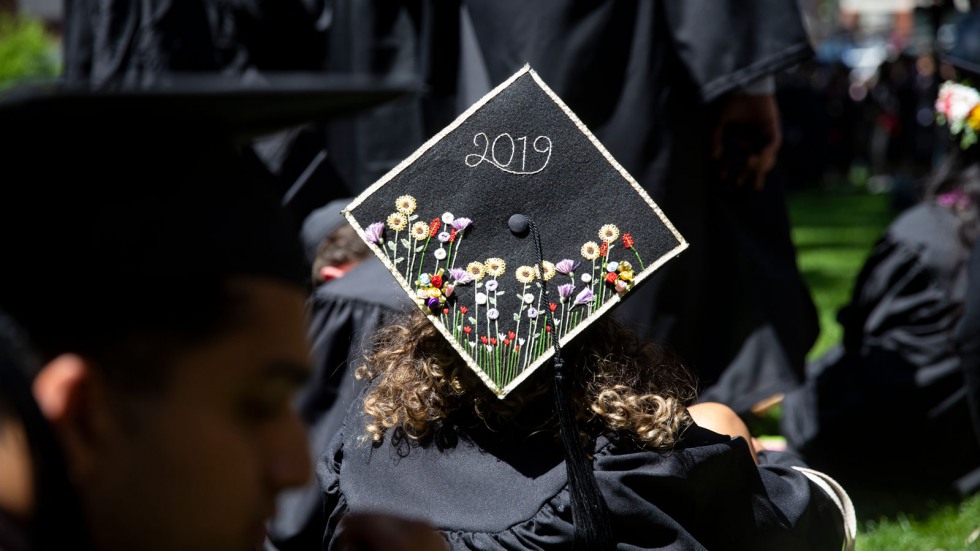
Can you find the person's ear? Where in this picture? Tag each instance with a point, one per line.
(73, 398)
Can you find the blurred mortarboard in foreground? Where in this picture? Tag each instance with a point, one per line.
(119, 205)
(453, 223)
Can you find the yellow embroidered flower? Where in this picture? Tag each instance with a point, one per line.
(476, 270)
(549, 270)
(609, 233)
(626, 275)
(405, 204)
(495, 266)
(397, 221)
(590, 250)
(420, 231)
(973, 119)
(624, 266)
(525, 274)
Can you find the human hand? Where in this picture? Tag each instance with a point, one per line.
(746, 138)
(368, 532)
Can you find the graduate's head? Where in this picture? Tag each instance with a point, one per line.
(332, 245)
(165, 292)
(620, 383)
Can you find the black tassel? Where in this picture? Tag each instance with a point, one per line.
(590, 516)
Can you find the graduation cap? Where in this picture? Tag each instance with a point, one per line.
(514, 228)
(117, 204)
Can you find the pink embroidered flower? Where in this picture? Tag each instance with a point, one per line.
(373, 232)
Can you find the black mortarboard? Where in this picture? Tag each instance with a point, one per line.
(515, 229)
(115, 206)
(454, 223)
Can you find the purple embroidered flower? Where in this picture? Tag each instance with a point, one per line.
(433, 302)
(492, 285)
(532, 312)
(460, 224)
(584, 297)
(492, 314)
(567, 266)
(443, 237)
(566, 290)
(460, 276)
(373, 233)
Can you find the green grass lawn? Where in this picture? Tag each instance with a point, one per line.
(834, 232)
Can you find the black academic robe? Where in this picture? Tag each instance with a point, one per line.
(344, 314)
(494, 490)
(645, 77)
(896, 378)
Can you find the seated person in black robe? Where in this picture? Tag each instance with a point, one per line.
(428, 441)
(164, 291)
(353, 296)
(897, 369)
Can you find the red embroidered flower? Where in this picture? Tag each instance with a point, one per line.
(552, 306)
(506, 342)
(511, 335)
(434, 227)
(604, 249)
(463, 309)
(483, 339)
(547, 328)
(611, 278)
(452, 235)
(445, 311)
(517, 348)
(435, 281)
(493, 341)
(467, 329)
(627, 241)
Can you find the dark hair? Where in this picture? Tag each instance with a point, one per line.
(620, 384)
(342, 246)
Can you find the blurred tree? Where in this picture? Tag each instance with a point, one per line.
(26, 50)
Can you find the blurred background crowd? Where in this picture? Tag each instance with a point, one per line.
(859, 112)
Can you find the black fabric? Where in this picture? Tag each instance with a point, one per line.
(120, 44)
(344, 314)
(968, 338)
(638, 74)
(518, 153)
(705, 494)
(897, 369)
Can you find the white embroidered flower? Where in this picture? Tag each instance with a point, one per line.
(440, 254)
(586, 278)
(955, 101)
(447, 218)
(528, 298)
(481, 298)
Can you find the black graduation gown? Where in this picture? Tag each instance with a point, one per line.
(344, 313)
(643, 77)
(894, 389)
(487, 489)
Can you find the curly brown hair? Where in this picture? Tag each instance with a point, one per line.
(620, 384)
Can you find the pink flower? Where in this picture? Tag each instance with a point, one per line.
(373, 232)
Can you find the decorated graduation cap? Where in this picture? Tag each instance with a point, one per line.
(514, 229)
